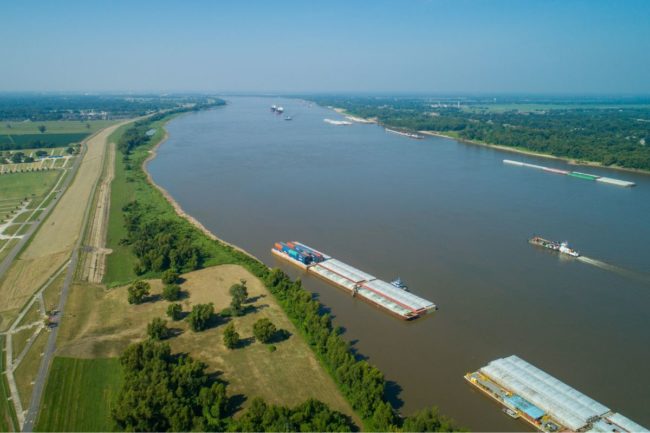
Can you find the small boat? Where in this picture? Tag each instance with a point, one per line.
(511, 413)
(288, 118)
(397, 282)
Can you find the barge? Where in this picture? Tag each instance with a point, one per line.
(560, 247)
(337, 122)
(405, 134)
(576, 174)
(391, 297)
(549, 405)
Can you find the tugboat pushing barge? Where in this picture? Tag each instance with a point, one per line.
(560, 247)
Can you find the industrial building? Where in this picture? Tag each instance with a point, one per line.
(545, 402)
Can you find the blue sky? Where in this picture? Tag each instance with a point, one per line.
(515, 46)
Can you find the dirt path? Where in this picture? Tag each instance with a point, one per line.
(94, 263)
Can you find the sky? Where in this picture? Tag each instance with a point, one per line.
(398, 46)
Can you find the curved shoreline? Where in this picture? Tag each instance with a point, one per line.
(153, 152)
(504, 148)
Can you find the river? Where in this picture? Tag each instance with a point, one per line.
(452, 221)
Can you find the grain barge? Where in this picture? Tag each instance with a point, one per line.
(575, 174)
(391, 297)
(560, 247)
(549, 405)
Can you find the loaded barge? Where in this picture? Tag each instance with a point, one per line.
(576, 174)
(392, 297)
(560, 247)
(549, 405)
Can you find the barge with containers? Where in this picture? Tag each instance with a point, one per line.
(576, 174)
(392, 297)
(549, 405)
(560, 247)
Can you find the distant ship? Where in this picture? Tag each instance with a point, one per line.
(337, 122)
(560, 247)
(279, 110)
(274, 107)
(288, 118)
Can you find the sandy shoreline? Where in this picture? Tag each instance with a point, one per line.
(153, 152)
(505, 148)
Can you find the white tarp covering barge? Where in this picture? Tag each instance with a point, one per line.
(565, 404)
(601, 179)
(346, 271)
(399, 296)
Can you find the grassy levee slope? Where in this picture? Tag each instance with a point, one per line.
(8, 420)
(73, 389)
(53, 243)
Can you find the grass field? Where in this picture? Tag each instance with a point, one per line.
(78, 395)
(100, 323)
(28, 368)
(28, 141)
(53, 127)
(26, 185)
(8, 421)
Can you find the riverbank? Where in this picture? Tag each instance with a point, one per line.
(521, 151)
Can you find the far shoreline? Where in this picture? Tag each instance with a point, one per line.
(511, 149)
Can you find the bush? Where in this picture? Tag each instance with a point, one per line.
(157, 329)
(175, 311)
(239, 294)
(138, 291)
(171, 292)
(170, 276)
(200, 316)
(264, 330)
(230, 336)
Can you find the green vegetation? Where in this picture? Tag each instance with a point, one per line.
(8, 420)
(201, 317)
(43, 141)
(79, 395)
(170, 276)
(157, 329)
(230, 336)
(138, 291)
(239, 294)
(613, 134)
(28, 185)
(175, 312)
(53, 126)
(171, 292)
(264, 330)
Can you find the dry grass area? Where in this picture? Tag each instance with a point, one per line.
(28, 368)
(53, 242)
(100, 323)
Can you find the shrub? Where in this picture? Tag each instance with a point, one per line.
(138, 291)
(157, 329)
(264, 330)
(175, 311)
(171, 292)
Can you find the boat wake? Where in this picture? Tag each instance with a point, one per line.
(616, 269)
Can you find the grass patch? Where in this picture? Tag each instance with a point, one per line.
(28, 368)
(52, 293)
(7, 248)
(28, 185)
(19, 340)
(8, 420)
(79, 393)
(35, 141)
(33, 315)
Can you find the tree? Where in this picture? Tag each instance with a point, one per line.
(200, 316)
(264, 330)
(17, 157)
(171, 292)
(239, 294)
(429, 420)
(42, 128)
(230, 336)
(70, 150)
(28, 159)
(175, 311)
(157, 329)
(138, 291)
(170, 276)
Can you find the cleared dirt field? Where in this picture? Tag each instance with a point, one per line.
(100, 323)
(54, 241)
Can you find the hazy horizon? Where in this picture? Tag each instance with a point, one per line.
(435, 47)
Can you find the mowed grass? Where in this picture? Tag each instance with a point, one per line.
(8, 421)
(53, 126)
(79, 393)
(17, 186)
(26, 372)
(99, 323)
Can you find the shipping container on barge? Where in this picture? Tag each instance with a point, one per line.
(388, 296)
(528, 393)
(576, 174)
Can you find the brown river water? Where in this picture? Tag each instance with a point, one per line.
(452, 221)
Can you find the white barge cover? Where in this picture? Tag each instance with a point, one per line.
(626, 423)
(400, 296)
(346, 271)
(567, 405)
